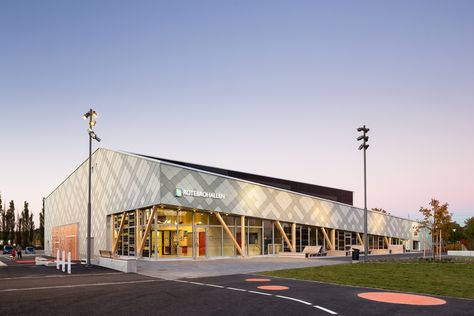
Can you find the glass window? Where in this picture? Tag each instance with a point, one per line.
(200, 218)
(214, 241)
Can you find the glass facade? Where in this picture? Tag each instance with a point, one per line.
(176, 233)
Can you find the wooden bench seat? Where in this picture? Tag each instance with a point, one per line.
(106, 253)
(313, 251)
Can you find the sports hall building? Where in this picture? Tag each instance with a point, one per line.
(157, 208)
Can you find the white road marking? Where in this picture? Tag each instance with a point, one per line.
(261, 293)
(294, 299)
(60, 276)
(234, 289)
(213, 285)
(326, 310)
(78, 285)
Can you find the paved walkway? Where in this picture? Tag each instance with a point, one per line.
(177, 269)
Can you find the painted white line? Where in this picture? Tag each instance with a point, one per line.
(213, 285)
(181, 281)
(234, 289)
(78, 285)
(60, 276)
(326, 310)
(294, 299)
(261, 293)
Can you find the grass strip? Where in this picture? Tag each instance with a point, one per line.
(448, 279)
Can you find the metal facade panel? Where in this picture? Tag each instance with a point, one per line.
(255, 200)
(119, 182)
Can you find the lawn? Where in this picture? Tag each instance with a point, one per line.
(439, 278)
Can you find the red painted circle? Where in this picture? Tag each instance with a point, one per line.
(257, 280)
(273, 287)
(401, 298)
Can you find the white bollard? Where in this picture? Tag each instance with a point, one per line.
(57, 259)
(69, 262)
(63, 261)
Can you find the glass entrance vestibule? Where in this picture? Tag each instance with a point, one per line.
(173, 233)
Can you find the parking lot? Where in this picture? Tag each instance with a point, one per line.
(26, 289)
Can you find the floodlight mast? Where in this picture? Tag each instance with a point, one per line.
(364, 138)
(91, 114)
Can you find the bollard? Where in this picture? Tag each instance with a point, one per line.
(63, 261)
(69, 262)
(57, 259)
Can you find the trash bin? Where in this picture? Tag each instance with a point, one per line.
(355, 254)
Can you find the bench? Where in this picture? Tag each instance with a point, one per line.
(106, 253)
(312, 251)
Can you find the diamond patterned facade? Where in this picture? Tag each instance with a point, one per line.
(123, 181)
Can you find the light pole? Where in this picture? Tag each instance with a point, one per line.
(92, 135)
(364, 138)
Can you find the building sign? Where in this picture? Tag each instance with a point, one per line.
(193, 193)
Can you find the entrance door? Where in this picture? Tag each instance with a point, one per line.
(200, 246)
(347, 241)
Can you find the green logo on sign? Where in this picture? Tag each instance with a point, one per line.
(179, 192)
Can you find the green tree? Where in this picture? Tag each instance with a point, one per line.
(25, 225)
(41, 229)
(436, 218)
(468, 231)
(19, 230)
(3, 223)
(10, 222)
(31, 227)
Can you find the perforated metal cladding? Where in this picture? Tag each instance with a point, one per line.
(122, 182)
(119, 182)
(254, 200)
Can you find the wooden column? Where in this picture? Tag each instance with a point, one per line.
(333, 239)
(283, 234)
(386, 241)
(243, 236)
(229, 233)
(293, 236)
(326, 237)
(138, 230)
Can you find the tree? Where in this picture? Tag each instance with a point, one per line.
(10, 222)
(469, 232)
(436, 219)
(26, 225)
(41, 229)
(380, 210)
(19, 230)
(31, 233)
(3, 227)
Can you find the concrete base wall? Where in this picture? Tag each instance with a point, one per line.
(464, 253)
(124, 265)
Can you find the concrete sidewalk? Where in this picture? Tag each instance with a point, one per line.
(177, 269)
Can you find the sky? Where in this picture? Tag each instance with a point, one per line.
(276, 88)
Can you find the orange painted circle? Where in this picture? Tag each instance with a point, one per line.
(257, 280)
(401, 298)
(273, 287)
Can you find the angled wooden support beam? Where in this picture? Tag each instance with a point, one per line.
(147, 231)
(285, 237)
(386, 240)
(359, 239)
(229, 233)
(122, 223)
(328, 241)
